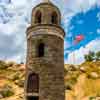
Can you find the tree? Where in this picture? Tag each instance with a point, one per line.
(98, 56)
(90, 56)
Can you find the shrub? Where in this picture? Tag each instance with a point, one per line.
(7, 91)
(3, 65)
(92, 98)
(92, 56)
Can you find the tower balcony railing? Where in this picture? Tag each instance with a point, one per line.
(49, 29)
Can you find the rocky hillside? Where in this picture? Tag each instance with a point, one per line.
(82, 82)
(11, 80)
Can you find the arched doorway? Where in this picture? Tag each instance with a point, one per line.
(33, 86)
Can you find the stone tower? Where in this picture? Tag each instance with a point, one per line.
(45, 54)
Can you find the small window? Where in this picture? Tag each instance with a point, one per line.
(38, 17)
(54, 18)
(41, 50)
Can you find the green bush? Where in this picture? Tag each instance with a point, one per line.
(92, 56)
(98, 56)
(3, 65)
(92, 98)
(7, 91)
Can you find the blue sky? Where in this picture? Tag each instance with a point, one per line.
(78, 17)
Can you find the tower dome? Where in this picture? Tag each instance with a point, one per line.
(46, 13)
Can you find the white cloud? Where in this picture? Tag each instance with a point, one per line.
(77, 56)
(70, 8)
(80, 21)
(5, 1)
(98, 3)
(98, 16)
(17, 17)
(12, 37)
(94, 45)
(66, 44)
(98, 30)
(76, 6)
(19, 3)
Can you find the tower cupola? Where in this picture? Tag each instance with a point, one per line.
(45, 13)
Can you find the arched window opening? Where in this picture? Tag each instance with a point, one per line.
(33, 83)
(38, 17)
(41, 50)
(54, 18)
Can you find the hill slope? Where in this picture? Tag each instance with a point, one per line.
(11, 81)
(82, 82)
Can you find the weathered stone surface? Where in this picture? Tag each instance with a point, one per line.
(47, 9)
(50, 67)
